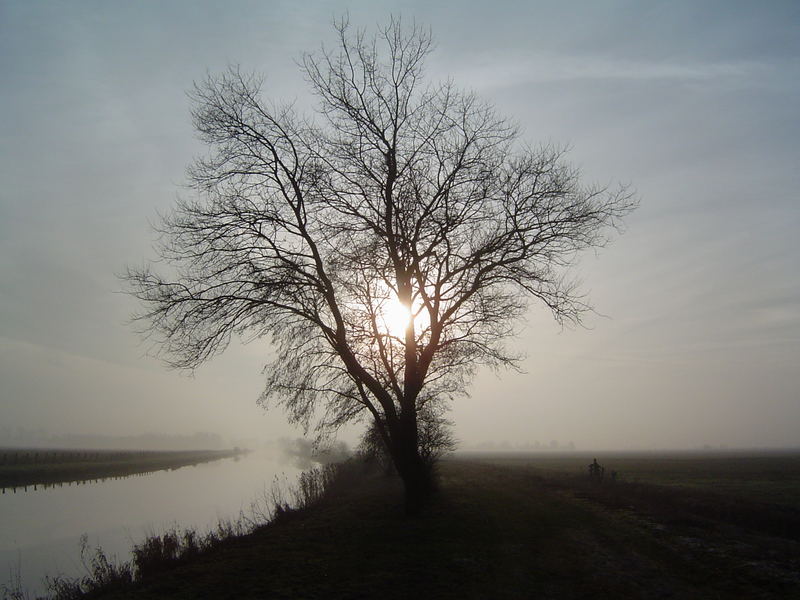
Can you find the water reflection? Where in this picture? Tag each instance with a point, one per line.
(40, 532)
(35, 469)
(34, 487)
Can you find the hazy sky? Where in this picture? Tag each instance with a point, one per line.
(694, 103)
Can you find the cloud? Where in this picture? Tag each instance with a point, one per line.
(549, 69)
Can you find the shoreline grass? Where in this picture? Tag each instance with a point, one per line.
(160, 553)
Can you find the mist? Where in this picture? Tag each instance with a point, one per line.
(696, 335)
(21, 438)
(648, 446)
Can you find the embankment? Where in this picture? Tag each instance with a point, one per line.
(20, 467)
(493, 531)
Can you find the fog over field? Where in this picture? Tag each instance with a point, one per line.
(696, 339)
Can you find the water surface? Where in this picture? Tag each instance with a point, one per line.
(40, 530)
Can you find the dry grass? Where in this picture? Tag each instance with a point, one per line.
(163, 553)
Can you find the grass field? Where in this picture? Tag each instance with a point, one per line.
(522, 527)
(768, 476)
(21, 467)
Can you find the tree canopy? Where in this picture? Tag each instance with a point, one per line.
(386, 245)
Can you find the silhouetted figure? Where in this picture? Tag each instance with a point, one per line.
(596, 472)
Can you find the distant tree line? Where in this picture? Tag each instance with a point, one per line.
(535, 445)
(26, 438)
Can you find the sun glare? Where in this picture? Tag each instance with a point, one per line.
(395, 316)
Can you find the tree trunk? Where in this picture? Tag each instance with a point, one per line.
(413, 470)
(417, 483)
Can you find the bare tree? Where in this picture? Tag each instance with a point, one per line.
(386, 248)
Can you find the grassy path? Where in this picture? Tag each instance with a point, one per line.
(495, 531)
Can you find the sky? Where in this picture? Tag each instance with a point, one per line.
(696, 340)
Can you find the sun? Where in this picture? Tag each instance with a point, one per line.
(394, 317)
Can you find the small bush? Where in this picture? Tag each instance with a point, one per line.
(312, 486)
(434, 440)
(151, 555)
